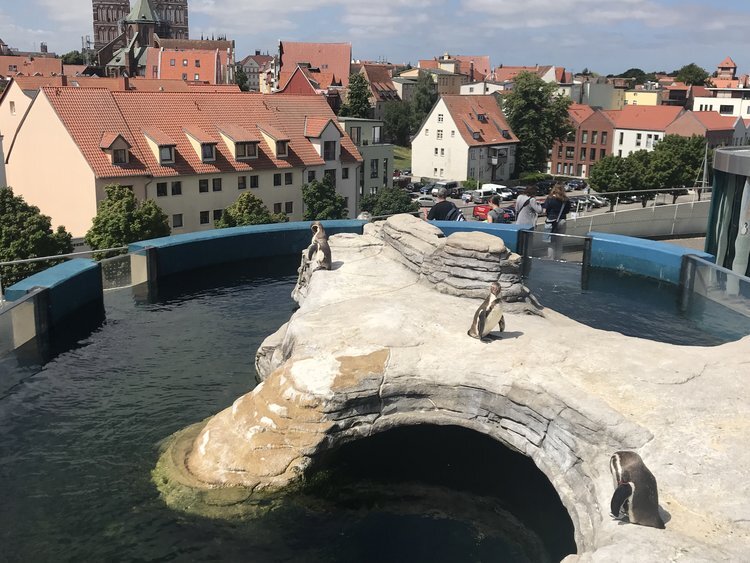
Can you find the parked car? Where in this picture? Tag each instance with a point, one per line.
(414, 186)
(506, 194)
(597, 201)
(466, 196)
(575, 184)
(544, 186)
(425, 201)
(426, 189)
(480, 213)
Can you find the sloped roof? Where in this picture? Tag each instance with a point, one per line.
(109, 138)
(239, 134)
(142, 11)
(88, 113)
(714, 121)
(465, 110)
(580, 112)
(381, 83)
(331, 58)
(647, 118)
(314, 126)
(273, 132)
(199, 134)
(728, 62)
(508, 73)
(159, 137)
(196, 44)
(30, 66)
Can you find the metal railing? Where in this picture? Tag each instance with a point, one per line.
(702, 281)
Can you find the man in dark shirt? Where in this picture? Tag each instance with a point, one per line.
(441, 209)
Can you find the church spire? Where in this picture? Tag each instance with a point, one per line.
(142, 12)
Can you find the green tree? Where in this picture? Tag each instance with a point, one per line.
(248, 210)
(423, 99)
(692, 74)
(538, 116)
(73, 58)
(639, 75)
(397, 122)
(677, 162)
(240, 79)
(470, 184)
(26, 233)
(357, 98)
(321, 201)
(388, 201)
(608, 175)
(122, 219)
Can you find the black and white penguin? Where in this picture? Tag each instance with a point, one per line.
(319, 251)
(488, 315)
(636, 495)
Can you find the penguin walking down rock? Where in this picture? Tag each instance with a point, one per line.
(488, 316)
(636, 495)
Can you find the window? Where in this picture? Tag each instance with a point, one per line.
(171, 62)
(246, 150)
(442, 152)
(649, 139)
(197, 63)
(281, 148)
(441, 172)
(196, 76)
(216, 184)
(604, 137)
(177, 188)
(594, 135)
(559, 151)
(344, 173)
(592, 154)
(218, 213)
(311, 175)
(570, 153)
(277, 207)
(288, 178)
(376, 134)
(374, 168)
(439, 133)
(177, 220)
(453, 133)
(208, 152)
(622, 137)
(161, 189)
(120, 156)
(436, 151)
(329, 150)
(656, 138)
(602, 153)
(254, 181)
(579, 170)
(184, 62)
(434, 173)
(619, 153)
(184, 75)
(202, 186)
(426, 132)
(559, 167)
(13, 68)
(241, 182)
(724, 109)
(440, 118)
(166, 155)
(13, 108)
(638, 139)
(584, 137)
(583, 153)
(204, 217)
(356, 134)
(331, 175)
(289, 207)
(277, 179)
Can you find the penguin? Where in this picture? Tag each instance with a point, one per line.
(488, 316)
(319, 250)
(636, 495)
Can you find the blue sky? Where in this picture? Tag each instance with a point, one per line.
(607, 36)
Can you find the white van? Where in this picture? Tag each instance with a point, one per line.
(483, 194)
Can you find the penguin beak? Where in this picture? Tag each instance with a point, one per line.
(622, 493)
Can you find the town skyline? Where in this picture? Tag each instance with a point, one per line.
(647, 34)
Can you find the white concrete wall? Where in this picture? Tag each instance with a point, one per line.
(740, 107)
(14, 106)
(629, 142)
(446, 158)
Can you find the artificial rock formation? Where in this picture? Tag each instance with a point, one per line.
(380, 342)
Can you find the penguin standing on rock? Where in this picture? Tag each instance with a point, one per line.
(319, 251)
(488, 316)
(636, 495)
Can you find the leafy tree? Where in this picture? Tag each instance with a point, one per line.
(26, 233)
(470, 184)
(677, 161)
(122, 219)
(240, 79)
(357, 98)
(692, 74)
(321, 201)
(248, 210)
(424, 97)
(538, 116)
(397, 122)
(639, 75)
(73, 58)
(388, 201)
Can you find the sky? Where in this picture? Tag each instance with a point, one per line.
(605, 36)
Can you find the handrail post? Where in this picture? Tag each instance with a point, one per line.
(586, 262)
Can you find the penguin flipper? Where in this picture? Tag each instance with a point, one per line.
(621, 495)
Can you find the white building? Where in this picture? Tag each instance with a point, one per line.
(640, 127)
(464, 137)
(484, 87)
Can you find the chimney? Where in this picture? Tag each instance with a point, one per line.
(471, 71)
(43, 47)
(257, 52)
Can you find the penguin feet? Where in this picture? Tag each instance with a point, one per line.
(490, 337)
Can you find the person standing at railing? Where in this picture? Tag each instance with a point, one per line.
(557, 207)
(496, 214)
(527, 208)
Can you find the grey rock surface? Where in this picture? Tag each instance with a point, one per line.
(366, 352)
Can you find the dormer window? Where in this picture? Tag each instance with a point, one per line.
(282, 148)
(329, 150)
(208, 152)
(120, 156)
(166, 155)
(246, 150)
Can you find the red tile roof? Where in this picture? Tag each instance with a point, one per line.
(239, 134)
(465, 111)
(728, 62)
(29, 66)
(109, 138)
(159, 137)
(714, 121)
(200, 135)
(328, 57)
(508, 73)
(314, 126)
(121, 84)
(379, 77)
(580, 112)
(88, 113)
(273, 132)
(646, 118)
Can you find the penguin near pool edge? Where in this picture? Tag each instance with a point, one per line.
(488, 316)
(636, 495)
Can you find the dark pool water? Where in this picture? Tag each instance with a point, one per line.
(633, 305)
(81, 427)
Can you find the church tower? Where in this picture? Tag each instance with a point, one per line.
(173, 13)
(107, 15)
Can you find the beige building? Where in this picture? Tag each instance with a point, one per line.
(464, 137)
(642, 98)
(193, 153)
(446, 82)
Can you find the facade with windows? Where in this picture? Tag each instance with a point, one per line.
(193, 153)
(588, 143)
(464, 137)
(377, 167)
(640, 127)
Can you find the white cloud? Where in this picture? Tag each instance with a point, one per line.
(72, 13)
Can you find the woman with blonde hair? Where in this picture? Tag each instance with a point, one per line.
(556, 206)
